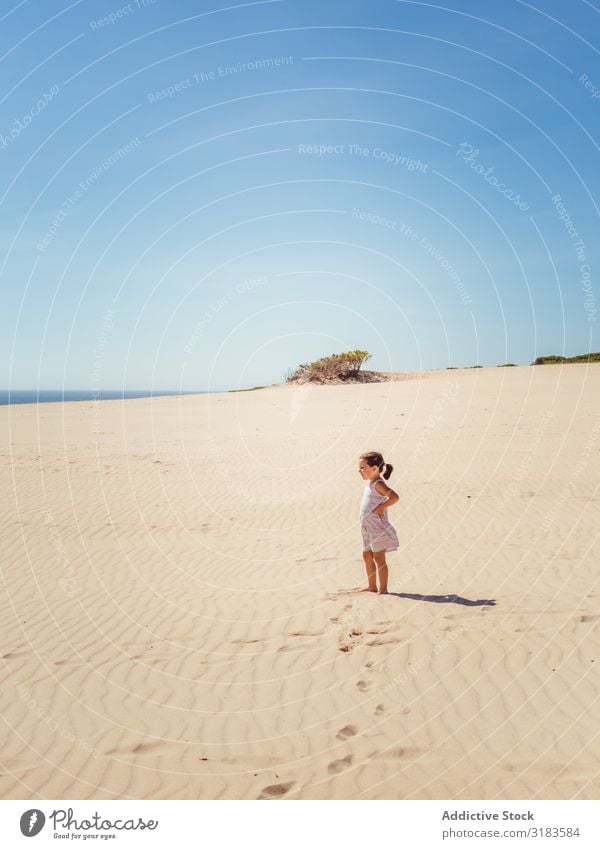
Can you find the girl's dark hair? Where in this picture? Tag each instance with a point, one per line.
(375, 458)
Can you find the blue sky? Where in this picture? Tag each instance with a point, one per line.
(201, 196)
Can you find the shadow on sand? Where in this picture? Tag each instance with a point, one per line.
(448, 599)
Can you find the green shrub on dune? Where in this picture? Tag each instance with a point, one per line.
(580, 358)
(344, 366)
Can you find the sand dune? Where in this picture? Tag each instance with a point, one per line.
(176, 615)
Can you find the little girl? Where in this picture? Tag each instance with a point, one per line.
(378, 534)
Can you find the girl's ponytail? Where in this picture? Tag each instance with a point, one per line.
(375, 458)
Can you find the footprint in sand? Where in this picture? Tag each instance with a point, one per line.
(276, 791)
(337, 595)
(383, 641)
(401, 752)
(148, 748)
(363, 686)
(589, 618)
(379, 710)
(306, 633)
(347, 731)
(547, 769)
(337, 766)
(144, 748)
(350, 640)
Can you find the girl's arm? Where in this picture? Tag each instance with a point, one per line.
(381, 488)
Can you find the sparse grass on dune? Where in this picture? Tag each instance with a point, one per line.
(555, 358)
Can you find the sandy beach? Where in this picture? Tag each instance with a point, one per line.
(177, 620)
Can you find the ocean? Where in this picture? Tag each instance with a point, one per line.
(44, 396)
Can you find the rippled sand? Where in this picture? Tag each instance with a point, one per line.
(177, 620)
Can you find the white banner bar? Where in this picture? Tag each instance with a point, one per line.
(302, 824)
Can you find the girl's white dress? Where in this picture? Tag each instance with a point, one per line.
(378, 534)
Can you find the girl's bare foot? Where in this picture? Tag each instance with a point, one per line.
(383, 592)
(368, 590)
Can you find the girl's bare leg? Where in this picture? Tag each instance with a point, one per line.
(371, 572)
(382, 570)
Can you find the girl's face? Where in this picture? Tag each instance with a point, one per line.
(365, 471)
